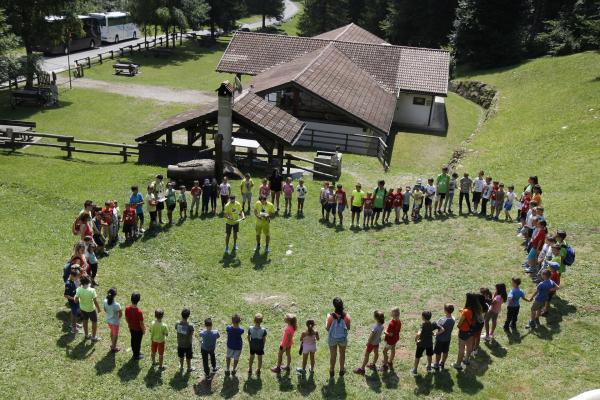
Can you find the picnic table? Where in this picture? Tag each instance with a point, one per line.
(130, 69)
(39, 96)
(16, 131)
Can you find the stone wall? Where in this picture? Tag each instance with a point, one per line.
(478, 92)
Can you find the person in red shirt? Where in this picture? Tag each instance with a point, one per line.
(342, 202)
(537, 243)
(129, 221)
(135, 320)
(392, 336)
(397, 204)
(196, 192)
(388, 205)
(106, 219)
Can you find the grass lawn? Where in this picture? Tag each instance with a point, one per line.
(191, 67)
(415, 266)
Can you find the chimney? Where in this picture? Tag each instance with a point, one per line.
(225, 93)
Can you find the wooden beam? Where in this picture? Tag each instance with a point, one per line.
(169, 137)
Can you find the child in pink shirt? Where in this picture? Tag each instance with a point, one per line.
(286, 343)
(500, 296)
(288, 189)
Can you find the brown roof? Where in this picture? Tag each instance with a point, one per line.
(351, 33)
(332, 76)
(248, 109)
(395, 68)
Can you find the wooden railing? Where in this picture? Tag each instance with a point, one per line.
(66, 144)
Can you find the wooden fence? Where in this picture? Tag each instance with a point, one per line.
(66, 144)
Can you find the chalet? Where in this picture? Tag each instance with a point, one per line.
(345, 88)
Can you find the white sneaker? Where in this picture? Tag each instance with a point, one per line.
(142, 230)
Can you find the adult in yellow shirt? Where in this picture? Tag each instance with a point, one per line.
(246, 190)
(263, 211)
(356, 203)
(234, 213)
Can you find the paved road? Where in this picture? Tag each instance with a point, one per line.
(60, 63)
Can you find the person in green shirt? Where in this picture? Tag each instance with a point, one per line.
(379, 194)
(158, 334)
(89, 307)
(356, 203)
(234, 213)
(441, 183)
(263, 211)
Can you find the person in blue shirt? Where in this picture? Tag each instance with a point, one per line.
(208, 344)
(234, 343)
(137, 200)
(513, 305)
(541, 295)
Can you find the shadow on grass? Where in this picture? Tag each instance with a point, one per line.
(374, 381)
(81, 351)
(153, 378)
(390, 379)
(204, 388)
(306, 386)
(424, 384)
(230, 261)
(285, 382)
(106, 364)
(231, 387)
(443, 381)
(334, 389)
(468, 383)
(260, 260)
(129, 371)
(180, 380)
(496, 349)
(253, 385)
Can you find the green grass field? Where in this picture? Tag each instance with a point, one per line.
(415, 266)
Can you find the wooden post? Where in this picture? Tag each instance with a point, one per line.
(280, 156)
(203, 131)
(100, 58)
(169, 138)
(190, 136)
(89, 62)
(124, 154)
(288, 165)
(69, 153)
(112, 54)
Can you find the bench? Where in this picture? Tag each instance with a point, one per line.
(130, 69)
(40, 96)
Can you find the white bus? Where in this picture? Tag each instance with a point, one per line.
(116, 26)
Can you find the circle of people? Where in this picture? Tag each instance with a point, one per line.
(548, 256)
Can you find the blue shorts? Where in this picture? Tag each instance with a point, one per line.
(337, 342)
(341, 208)
(532, 255)
(508, 206)
(74, 308)
(330, 207)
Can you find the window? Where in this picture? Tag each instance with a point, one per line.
(419, 101)
(116, 21)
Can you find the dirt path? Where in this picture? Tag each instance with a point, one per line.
(157, 93)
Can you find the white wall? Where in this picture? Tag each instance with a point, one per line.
(412, 114)
(320, 126)
(324, 137)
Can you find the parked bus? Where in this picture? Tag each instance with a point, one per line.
(115, 26)
(88, 38)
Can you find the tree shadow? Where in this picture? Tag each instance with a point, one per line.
(129, 371)
(153, 378)
(306, 385)
(231, 387)
(106, 364)
(334, 389)
(180, 380)
(253, 385)
(424, 384)
(260, 260)
(443, 381)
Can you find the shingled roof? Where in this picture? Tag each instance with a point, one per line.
(351, 33)
(395, 68)
(331, 76)
(248, 109)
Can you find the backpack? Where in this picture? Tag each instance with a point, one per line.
(338, 329)
(570, 257)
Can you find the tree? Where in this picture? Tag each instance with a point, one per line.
(374, 12)
(489, 33)
(9, 64)
(223, 14)
(266, 8)
(425, 23)
(196, 12)
(322, 15)
(143, 13)
(27, 20)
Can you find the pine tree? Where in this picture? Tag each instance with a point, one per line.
(223, 14)
(374, 12)
(266, 8)
(322, 15)
(489, 33)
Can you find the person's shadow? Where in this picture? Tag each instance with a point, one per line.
(230, 261)
(106, 364)
(129, 371)
(306, 385)
(468, 383)
(285, 382)
(180, 380)
(424, 384)
(253, 385)
(260, 260)
(443, 381)
(81, 351)
(334, 390)
(374, 381)
(231, 387)
(204, 388)
(153, 378)
(390, 379)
